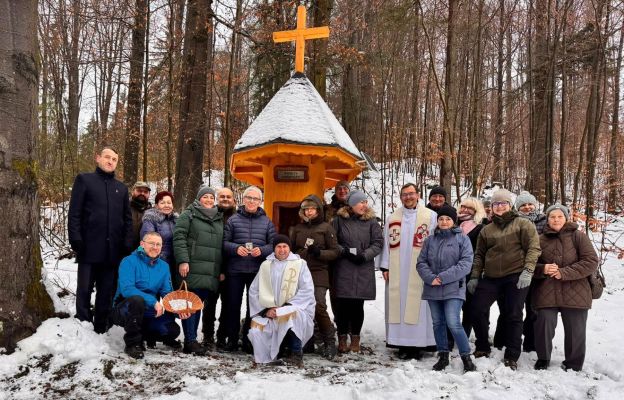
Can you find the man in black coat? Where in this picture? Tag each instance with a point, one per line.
(99, 226)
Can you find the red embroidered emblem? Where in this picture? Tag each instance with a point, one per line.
(394, 234)
(421, 234)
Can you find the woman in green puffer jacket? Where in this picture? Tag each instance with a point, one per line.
(197, 244)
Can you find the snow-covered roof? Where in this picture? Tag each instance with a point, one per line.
(297, 114)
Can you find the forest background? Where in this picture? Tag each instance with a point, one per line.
(524, 93)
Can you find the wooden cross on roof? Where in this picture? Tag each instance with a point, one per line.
(300, 35)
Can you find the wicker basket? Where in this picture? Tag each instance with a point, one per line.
(182, 301)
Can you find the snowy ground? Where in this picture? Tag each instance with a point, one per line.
(66, 359)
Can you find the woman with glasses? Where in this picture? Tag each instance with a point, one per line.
(361, 239)
(162, 219)
(504, 261)
(247, 241)
(197, 242)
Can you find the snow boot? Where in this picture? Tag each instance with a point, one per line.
(329, 350)
(295, 359)
(135, 351)
(511, 364)
(443, 361)
(355, 343)
(342, 344)
(541, 364)
(194, 348)
(468, 364)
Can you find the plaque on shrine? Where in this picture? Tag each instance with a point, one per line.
(290, 173)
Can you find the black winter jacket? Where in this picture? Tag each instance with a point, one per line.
(99, 220)
(244, 227)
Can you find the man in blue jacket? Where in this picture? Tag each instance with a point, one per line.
(99, 227)
(247, 239)
(143, 279)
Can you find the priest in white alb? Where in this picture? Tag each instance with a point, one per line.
(408, 320)
(281, 303)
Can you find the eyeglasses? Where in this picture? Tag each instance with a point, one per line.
(500, 204)
(409, 194)
(154, 244)
(466, 207)
(253, 199)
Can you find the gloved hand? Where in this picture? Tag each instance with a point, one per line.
(472, 285)
(314, 251)
(357, 259)
(524, 280)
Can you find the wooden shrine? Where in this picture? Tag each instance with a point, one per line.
(295, 146)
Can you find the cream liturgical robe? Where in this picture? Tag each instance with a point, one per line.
(288, 286)
(408, 319)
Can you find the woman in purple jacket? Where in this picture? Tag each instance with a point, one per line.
(443, 263)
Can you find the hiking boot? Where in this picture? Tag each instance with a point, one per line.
(480, 353)
(443, 361)
(194, 348)
(135, 351)
(468, 364)
(295, 360)
(208, 342)
(342, 344)
(541, 364)
(231, 346)
(221, 343)
(150, 343)
(172, 343)
(329, 350)
(512, 364)
(355, 343)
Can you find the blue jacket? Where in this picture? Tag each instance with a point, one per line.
(156, 221)
(99, 221)
(242, 228)
(142, 276)
(447, 255)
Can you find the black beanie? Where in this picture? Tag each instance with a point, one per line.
(449, 212)
(277, 239)
(438, 190)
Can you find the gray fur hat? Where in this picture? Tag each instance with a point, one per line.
(205, 189)
(525, 198)
(355, 197)
(560, 207)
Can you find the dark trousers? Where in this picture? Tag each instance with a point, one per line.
(140, 322)
(528, 344)
(235, 286)
(325, 325)
(530, 316)
(574, 328)
(191, 324)
(487, 292)
(467, 314)
(209, 316)
(102, 276)
(349, 315)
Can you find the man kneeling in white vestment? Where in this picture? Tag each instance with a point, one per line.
(281, 303)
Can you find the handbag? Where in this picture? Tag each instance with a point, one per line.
(597, 283)
(596, 280)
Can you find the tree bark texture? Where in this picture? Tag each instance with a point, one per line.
(135, 87)
(192, 101)
(24, 302)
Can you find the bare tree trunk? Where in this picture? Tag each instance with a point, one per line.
(135, 84)
(318, 67)
(227, 132)
(190, 151)
(540, 105)
(615, 129)
(499, 132)
(594, 108)
(145, 90)
(24, 302)
(450, 99)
